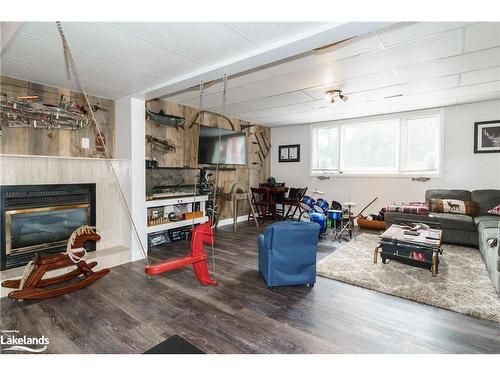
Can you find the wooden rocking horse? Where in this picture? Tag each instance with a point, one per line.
(33, 286)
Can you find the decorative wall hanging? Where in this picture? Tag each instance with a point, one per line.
(487, 136)
(161, 145)
(100, 143)
(27, 112)
(163, 119)
(289, 153)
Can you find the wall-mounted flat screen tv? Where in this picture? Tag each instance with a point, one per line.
(230, 150)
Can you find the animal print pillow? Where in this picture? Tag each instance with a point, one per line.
(495, 210)
(452, 206)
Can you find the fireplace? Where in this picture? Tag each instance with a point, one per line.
(41, 218)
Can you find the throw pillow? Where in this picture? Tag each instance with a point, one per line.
(495, 210)
(452, 206)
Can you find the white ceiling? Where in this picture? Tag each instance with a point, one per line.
(120, 58)
(405, 67)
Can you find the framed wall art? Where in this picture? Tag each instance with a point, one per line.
(289, 153)
(487, 136)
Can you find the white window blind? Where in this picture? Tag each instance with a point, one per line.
(370, 146)
(325, 149)
(420, 140)
(403, 144)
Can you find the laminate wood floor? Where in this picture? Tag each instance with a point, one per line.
(127, 312)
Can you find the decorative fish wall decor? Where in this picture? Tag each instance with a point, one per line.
(163, 119)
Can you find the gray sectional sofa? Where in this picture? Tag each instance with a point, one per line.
(478, 231)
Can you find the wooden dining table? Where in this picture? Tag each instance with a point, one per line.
(274, 195)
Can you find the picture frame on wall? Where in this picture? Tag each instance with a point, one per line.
(486, 136)
(289, 153)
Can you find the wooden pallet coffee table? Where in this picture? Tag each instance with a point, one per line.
(422, 249)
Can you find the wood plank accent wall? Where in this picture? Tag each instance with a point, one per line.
(185, 140)
(29, 141)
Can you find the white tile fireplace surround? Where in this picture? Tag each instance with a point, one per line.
(112, 249)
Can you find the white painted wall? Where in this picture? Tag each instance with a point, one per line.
(462, 168)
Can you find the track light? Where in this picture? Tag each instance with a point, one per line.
(334, 96)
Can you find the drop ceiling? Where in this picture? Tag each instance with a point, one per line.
(121, 58)
(405, 67)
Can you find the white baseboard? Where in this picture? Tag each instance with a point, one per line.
(230, 221)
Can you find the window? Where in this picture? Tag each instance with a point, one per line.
(370, 147)
(326, 141)
(403, 144)
(420, 140)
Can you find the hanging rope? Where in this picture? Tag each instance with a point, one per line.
(70, 63)
(197, 140)
(224, 85)
(216, 208)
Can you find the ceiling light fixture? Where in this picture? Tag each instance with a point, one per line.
(334, 96)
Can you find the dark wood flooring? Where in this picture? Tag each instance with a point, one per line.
(127, 312)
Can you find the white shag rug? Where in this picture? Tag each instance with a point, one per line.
(462, 284)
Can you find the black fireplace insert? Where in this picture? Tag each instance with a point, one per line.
(41, 218)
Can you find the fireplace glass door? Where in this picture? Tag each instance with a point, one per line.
(32, 229)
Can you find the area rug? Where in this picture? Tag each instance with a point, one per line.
(174, 345)
(462, 284)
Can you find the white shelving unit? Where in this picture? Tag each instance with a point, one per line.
(202, 199)
(177, 200)
(175, 224)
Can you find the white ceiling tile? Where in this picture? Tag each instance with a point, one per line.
(288, 109)
(268, 32)
(294, 64)
(278, 100)
(403, 33)
(480, 76)
(95, 39)
(451, 65)
(50, 56)
(479, 89)
(33, 73)
(231, 109)
(439, 46)
(203, 42)
(184, 96)
(381, 93)
(316, 92)
(295, 81)
(353, 85)
(481, 36)
(236, 95)
(353, 47)
(368, 82)
(432, 84)
(239, 80)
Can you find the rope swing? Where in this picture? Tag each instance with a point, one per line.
(203, 233)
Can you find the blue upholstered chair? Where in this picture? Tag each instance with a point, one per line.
(287, 253)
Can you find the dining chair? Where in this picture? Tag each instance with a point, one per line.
(262, 203)
(295, 195)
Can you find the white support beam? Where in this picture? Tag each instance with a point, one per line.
(131, 150)
(304, 42)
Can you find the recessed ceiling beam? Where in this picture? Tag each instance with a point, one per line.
(300, 43)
